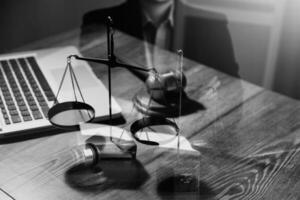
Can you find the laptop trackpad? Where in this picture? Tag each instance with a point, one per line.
(93, 90)
(84, 77)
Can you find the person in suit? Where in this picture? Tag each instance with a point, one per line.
(153, 21)
(147, 20)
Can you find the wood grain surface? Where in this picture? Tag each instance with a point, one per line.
(247, 138)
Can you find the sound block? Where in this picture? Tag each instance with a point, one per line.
(168, 107)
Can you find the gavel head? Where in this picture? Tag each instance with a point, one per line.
(161, 86)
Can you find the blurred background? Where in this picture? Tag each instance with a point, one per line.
(265, 34)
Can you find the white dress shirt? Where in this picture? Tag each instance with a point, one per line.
(159, 35)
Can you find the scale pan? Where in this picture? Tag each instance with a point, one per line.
(69, 115)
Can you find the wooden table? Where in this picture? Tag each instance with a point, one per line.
(249, 138)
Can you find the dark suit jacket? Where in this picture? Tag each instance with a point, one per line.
(209, 42)
(126, 17)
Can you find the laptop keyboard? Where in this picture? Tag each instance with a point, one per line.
(25, 91)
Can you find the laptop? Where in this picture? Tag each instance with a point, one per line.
(29, 82)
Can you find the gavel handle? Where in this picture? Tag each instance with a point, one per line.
(141, 73)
